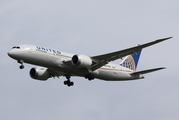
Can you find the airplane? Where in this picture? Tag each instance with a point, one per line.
(56, 63)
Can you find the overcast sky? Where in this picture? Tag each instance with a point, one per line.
(90, 27)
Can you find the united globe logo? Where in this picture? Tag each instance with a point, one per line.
(129, 63)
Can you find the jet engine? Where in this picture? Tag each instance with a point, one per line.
(82, 61)
(39, 74)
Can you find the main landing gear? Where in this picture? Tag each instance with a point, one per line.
(21, 62)
(68, 82)
(89, 77)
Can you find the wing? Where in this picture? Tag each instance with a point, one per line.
(101, 60)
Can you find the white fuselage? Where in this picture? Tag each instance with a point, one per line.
(53, 59)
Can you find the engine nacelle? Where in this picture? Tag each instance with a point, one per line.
(82, 61)
(39, 74)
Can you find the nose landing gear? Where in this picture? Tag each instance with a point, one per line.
(21, 62)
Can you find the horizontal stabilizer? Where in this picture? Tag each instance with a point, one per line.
(147, 71)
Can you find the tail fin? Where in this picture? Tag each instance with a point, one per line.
(131, 61)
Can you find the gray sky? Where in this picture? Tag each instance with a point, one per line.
(90, 27)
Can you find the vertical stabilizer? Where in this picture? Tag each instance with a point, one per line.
(131, 61)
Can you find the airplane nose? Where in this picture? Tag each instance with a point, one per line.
(10, 54)
(13, 54)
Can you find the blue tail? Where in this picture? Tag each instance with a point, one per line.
(131, 61)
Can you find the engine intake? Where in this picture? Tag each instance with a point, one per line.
(82, 61)
(39, 74)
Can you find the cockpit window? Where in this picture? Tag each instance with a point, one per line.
(16, 47)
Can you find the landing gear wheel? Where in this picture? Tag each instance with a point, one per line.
(21, 67)
(71, 83)
(68, 85)
(65, 82)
